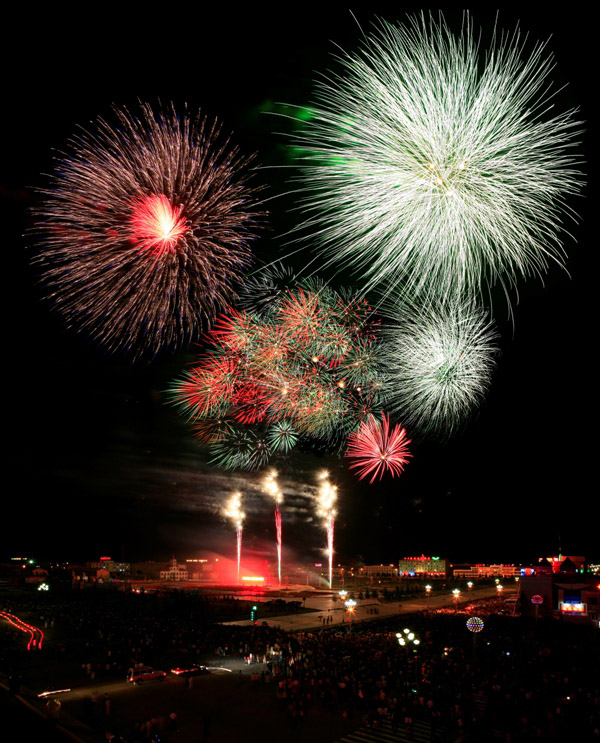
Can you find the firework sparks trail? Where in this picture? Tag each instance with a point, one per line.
(272, 488)
(233, 511)
(377, 449)
(239, 550)
(278, 534)
(432, 170)
(144, 233)
(325, 508)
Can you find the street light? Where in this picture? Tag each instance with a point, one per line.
(406, 639)
(470, 585)
(427, 594)
(350, 606)
(499, 588)
(456, 594)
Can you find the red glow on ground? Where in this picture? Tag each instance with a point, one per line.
(157, 224)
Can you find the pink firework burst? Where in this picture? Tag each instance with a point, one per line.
(377, 449)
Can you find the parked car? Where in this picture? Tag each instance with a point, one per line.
(141, 675)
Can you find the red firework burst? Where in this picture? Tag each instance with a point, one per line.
(235, 332)
(208, 389)
(301, 315)
(251, 404)
(377, 450)
(144, 234)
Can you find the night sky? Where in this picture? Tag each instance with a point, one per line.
(98, 463)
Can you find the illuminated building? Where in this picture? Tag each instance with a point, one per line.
(423, 567)
(487, 571)
(558, 563)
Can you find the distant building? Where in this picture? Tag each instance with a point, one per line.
(378, 570)
(107, 563)
(486, 571)
(174, 572)
(423, 567)
(38, 575)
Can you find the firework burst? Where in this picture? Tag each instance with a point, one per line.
(145, 232)
(438, 365)
(240, 448)
(307, 368)
(264, 290)
(282, 436)
(432, 169)
(377, 449)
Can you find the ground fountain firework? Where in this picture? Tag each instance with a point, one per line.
(272, 488)
(433, 168)
(326, 500)
(233, 511)
(144, 234)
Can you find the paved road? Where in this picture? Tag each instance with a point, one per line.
(325, 605)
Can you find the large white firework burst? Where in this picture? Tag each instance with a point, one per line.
(432, 167)
(438, 365)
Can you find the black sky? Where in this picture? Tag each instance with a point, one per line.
(98, 463)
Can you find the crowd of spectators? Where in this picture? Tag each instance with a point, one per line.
(522, 681)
